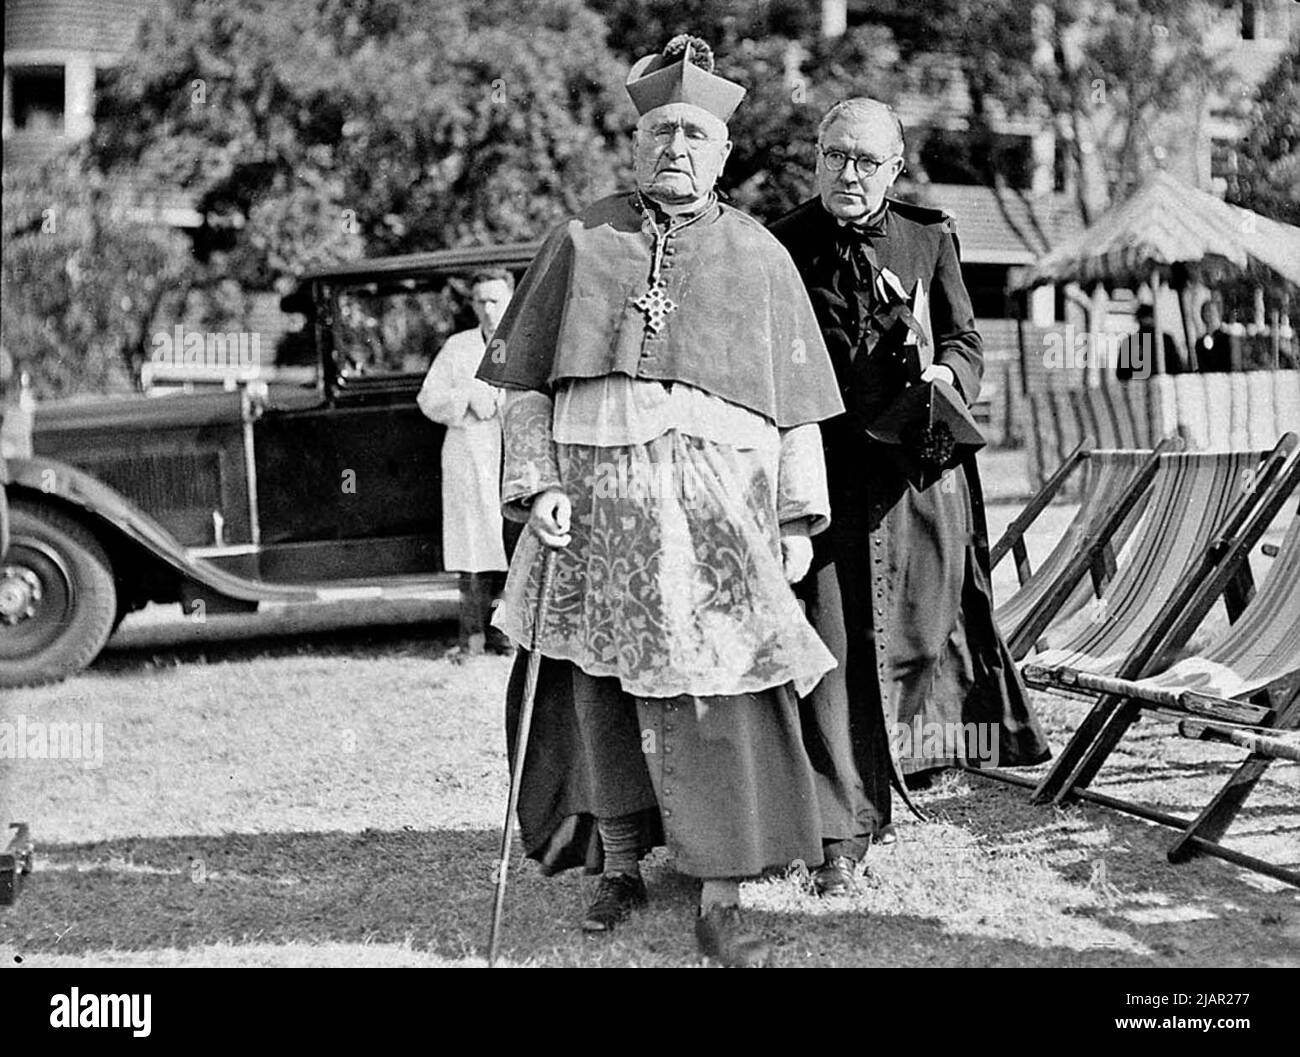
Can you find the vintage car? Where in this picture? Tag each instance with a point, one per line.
(225, 499)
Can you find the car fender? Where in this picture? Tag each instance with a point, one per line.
(114, 517)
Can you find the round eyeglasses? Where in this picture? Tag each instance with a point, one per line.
(866, 167)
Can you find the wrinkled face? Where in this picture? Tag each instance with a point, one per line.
(849, 194)
(678, 153)
(489, 300)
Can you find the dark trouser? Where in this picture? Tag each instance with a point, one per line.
(477, 593)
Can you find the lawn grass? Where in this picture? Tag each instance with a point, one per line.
(336, 800)
(339, 804)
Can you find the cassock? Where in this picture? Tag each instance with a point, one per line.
(900, 587)
(1214, 352)
(679, 416)
(471, 457)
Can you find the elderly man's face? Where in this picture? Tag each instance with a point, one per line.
(678, 153)
(489, 300)
(850, 194)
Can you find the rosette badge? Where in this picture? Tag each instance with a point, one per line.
(928, 430)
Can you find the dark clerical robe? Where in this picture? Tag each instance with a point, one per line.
(686, 440)
(900, 588)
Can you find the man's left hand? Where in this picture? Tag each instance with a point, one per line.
(937, 372)
(796, 556)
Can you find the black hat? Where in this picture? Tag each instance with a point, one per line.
(928, 430)
(674, 76)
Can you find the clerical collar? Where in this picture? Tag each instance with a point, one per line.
(648, 207)
(872, 226)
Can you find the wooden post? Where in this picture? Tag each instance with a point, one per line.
(1158, 350)
(1097, 308)
(1261, 323)
(1189, 329)
(1275, 334)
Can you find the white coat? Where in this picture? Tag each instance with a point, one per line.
(471, 455)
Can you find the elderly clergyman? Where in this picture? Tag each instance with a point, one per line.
(667, 375)
(900, 584)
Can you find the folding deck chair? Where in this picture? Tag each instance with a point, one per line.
(1243, 687)
(1113, 498)
(1195, 496)
(1203, 517)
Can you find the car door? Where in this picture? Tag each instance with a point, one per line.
(349, 487)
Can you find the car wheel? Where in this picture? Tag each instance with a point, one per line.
(57, 597)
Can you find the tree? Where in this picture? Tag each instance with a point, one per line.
(84, 277)
(1267, 179)
(1107, 75)
(316, 130)
(1113, 78)
(643, 27)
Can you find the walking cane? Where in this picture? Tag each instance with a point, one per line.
(521, 750)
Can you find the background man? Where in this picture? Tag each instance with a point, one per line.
(1214, 347)
(1137, 352)
(664, 440)
(471, 461)
(900, 586)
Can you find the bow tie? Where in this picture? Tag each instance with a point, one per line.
(872, 229)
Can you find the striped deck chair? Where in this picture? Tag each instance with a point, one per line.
(1093, 552)
(1243, 686)
(1214, 571)
(1194, 496)
(1099, 529)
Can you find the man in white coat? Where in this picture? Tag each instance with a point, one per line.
(471, 462)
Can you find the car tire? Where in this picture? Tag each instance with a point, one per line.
(68, 579)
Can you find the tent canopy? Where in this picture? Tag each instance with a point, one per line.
(1164, 223)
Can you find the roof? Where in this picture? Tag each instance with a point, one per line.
(988, 236)
(102, 26)
(1167, 222)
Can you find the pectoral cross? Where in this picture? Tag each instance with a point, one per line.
(656, 304)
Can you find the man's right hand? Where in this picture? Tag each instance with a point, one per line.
(550, 516)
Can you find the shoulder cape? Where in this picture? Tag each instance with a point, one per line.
(743, 328)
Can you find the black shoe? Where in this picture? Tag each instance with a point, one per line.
(721, 934)
(837, 877)
(886, 835)
(616, 897)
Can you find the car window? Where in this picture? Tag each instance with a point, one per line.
(384, 331)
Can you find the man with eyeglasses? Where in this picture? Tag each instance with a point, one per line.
(666, 374)
(900, 583)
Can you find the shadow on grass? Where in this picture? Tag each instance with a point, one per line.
(431, 641)
(432, 892)
(1123, 859)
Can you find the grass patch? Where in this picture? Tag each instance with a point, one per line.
(336, 800)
